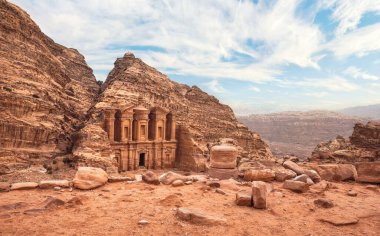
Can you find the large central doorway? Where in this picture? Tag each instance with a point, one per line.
(142, 160)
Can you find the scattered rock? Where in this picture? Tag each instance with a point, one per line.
(259, 194)
(218, 190)
(5, 187)
(54, 183)
(52, 202)
(243, 199)
(90, 178)
(259, 175)
(188, 182)
(313, 175)
(150, 177)
(340, 220)
(170, 177)
(372, 187)
(323, 203)
(172, 200)
(13, 206)
(177, 183)
(213, 184)
(24, 185)
(75, 201)
(229, 184)
(143, 222)
(294, 167)
(57, 188)
(321, 186)
(113, 179)
(197, 216)
(296, 186)
(284, 174)
(352, 193)
(34, 211)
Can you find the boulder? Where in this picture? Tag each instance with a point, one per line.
(259, 194)
(243, 199)
(5, 187)
(177, 183)
(323, 203)
(24, 185)
(313, 175)
(197, 216)
(89, 178)
(218, 190)
(113, 179)
(222, 173)
(259, 175)
(150, 177)
(213, 184)
(368, 172)
(223, 157)
(54, 183)
(294, 167)
(337, 172)
(284, 174)
(170, 177)
(320, 187)
(296, 186)
(304, 178)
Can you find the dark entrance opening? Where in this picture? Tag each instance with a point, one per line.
(142, 159)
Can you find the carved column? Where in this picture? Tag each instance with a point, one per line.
(172, 128)
(110, 120)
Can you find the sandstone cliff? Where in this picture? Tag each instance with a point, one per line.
(201, 119)
(299, 132)
(45, 91)
(363, 145)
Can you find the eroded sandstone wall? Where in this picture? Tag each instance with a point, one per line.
(45, 90)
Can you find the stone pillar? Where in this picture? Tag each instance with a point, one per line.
(110, 123)
(172, 129)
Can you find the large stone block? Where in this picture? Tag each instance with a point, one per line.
(337, 172)
(259, 194)
(223, 157)
(89, 178)
(259, 175)
(368, 172)
(222, 173)
(296, 186)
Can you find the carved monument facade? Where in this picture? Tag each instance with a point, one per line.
(142, 138)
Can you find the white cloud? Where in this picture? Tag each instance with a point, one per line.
(255, 89)
(334, 83)
(376, 85)
(349, 12)
(317, 94)
(359, 42)
(358, 73)
(215, 87)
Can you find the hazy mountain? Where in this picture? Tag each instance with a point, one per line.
(372, 111)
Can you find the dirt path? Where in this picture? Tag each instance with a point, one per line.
(116, 209)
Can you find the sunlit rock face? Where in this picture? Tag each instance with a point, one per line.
(45, 91)
(200, 118)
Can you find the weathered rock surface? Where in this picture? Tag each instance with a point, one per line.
(54, 183)
(304, 178)
(259, 194)
(282, 174)
(170, 177)
(223, 157)
(24, 185)
(178, 183)
(243, 199)
(313, 175)
(294, 167)
(200, 118)
(337, 172)
(222, 173)
(368, 172)
(362, 146)
(323, 203)
(89, 178)
(197, 216)
(150, 178)
(340, 220)
(46, 91)
(259, 175)
(296, 186)
(4, 187)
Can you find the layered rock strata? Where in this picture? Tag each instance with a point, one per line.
(45, 91)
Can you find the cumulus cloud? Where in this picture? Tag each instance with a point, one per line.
(215, 87)
(334, 83)
(358, 73)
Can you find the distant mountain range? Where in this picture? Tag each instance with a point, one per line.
(298, 133)
(372, 111)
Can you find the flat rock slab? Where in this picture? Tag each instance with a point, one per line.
(113, 179)
(340, 220)
(24, 185)
(54, 183)
(198, 216)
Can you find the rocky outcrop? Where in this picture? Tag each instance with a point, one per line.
(201, 119)
(45, 91)
(297, 133)
(362, 146)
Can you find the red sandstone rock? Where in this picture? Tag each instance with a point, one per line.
(89, 178)
(296, 186)
(294, 167)
(282, 174)
(259, 175)
(150, 178)
(24, 185)
(223, 157)
(54, 183)
(259, 194)
(368, 172)
(243, 199)
(197, 216)
(337, 172)
(222, 173)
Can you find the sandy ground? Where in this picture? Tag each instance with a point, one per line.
(116, 209)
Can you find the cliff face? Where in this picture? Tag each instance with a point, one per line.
(299, 132)
(45, 91)
(200, 117)
(363, 145)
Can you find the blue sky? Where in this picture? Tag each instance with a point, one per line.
(256, 56)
